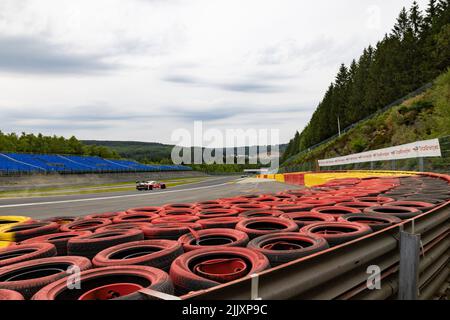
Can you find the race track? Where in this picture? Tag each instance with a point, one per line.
(212, 188)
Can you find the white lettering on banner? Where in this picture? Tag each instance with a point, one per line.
(419, 149)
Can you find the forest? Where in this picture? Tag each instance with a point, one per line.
(414, 53)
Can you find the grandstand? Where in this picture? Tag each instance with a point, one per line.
(13, 163)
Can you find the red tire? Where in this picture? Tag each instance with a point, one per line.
(266, 198)
(316, 203)
(357, 204)
(207, 203)
(206, 268)
(376, 222)
(145, 209)
(306, 218)
(213, 238)
(85, 225)
(152, 253)
(136, 217)
(24, 252)
(250, 207)
(335, 211)
(213, 206)
(399, 212)
(380, 200)
(61, 220)
(281, 248)
(217, 213)
(337, 232)
(28, 277)
(256, 227)
(175, 219)
(261, 214)
(122, 226)
(169, 231)
(105, 215)
(175, 206)
(6, 294)
(20, 232)
(177, 212)
(110, 283)
(219, 223)
(422, 206)
(287, 208)
(88, 246)
(59, 240)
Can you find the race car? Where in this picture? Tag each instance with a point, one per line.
(149, 185)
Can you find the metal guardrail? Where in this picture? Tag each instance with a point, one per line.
(341, 272)
(378, 112)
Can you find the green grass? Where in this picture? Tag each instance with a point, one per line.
(93, 189)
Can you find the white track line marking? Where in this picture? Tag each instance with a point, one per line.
(108, 198)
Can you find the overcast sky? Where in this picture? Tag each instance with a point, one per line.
(139, 69)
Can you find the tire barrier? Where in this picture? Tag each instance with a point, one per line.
(261, 214)
(135, 217)
(88, 246)
(399, 212)
(86, 225)
(376, 222)
(284, 247)
(58, 240)
(20, 232)
(152, 253)
(337, 232)
(306, 218)
(110, 283)
(256, 227)
(169, 231)
(24, 252)
(213, 238)
(6, 294)
(219, 223)
(217, 213)
(28, 277)
(206, 268)
(386, 202)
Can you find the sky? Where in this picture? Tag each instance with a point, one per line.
(141, 69)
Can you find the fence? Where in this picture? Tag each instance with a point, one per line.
(433, 164)
(378, 112)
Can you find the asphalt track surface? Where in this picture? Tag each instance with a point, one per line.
(75, 205)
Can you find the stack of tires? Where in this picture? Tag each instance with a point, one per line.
(183, 247)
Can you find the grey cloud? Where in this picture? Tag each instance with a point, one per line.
(249, 85)
(36, 55)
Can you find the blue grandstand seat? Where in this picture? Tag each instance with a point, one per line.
(25, 162)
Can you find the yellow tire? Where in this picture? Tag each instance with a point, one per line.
(4, 244)
(10, 220)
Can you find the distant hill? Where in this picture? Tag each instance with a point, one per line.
(146, 151)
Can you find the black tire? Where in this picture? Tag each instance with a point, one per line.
(88, 246)
(153, 253)
(399, 212)
(376, 222)
(284, 247)
(21, 232)
(140, 276)
(59, 240)
(28, 277)
(24, 252)
(337, 232)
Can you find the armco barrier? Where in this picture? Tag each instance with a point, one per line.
(342, 272)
